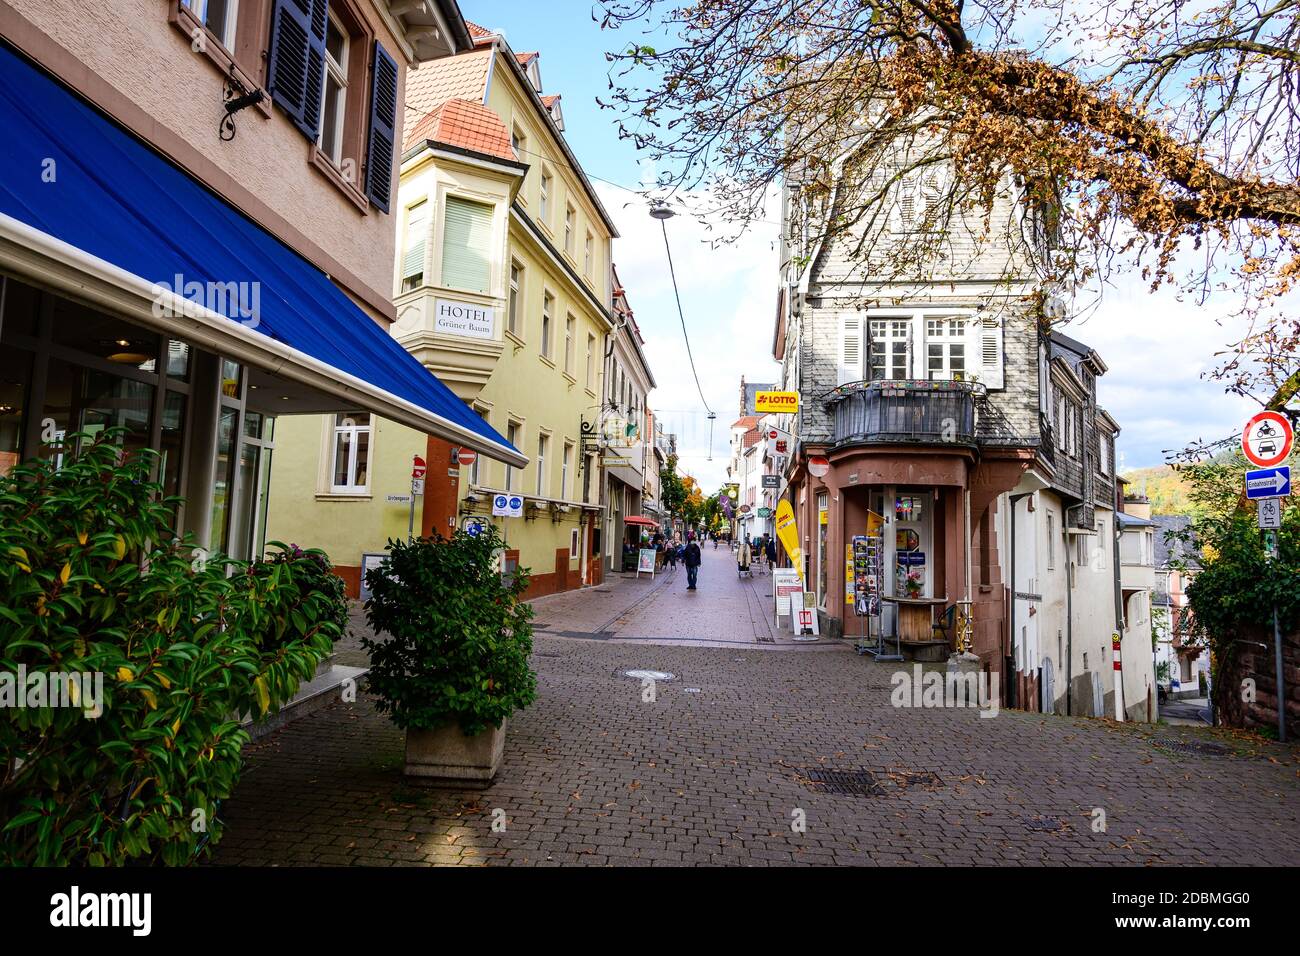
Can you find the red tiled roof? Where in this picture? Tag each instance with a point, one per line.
(477, 32)
(752, 437)
(749, 421)
(549, 101)
(465, 125)
(525, 58)
(461, 77)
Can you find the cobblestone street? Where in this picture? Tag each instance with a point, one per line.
(715, 769)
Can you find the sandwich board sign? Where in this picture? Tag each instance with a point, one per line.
(645, 562)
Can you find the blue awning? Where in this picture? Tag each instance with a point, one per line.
(71, 174)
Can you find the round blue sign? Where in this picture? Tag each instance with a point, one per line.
(501, 501)
(516, 503)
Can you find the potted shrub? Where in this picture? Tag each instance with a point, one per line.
(153, 648)
(449, 656)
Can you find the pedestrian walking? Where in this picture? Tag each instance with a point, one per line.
(770, 548)
(671, 553)
(691, 558)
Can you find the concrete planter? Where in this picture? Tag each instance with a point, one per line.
(446, 757)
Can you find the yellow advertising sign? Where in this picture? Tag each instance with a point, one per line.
(775, 402)
(788, 533)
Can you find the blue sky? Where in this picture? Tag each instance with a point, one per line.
(1156, 347)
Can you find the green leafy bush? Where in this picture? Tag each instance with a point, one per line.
(94, 585)
(457, 636)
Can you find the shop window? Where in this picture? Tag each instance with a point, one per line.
(218, 540)
(350, 466)
(15, 379)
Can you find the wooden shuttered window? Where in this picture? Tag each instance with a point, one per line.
(466, 241)
(296, 60)
(383, 129)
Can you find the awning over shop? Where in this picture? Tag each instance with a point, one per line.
(82, 203)
(640, 521)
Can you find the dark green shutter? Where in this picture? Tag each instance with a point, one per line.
(383, 129)
(296, 60)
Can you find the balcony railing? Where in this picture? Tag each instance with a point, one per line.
(908, 411)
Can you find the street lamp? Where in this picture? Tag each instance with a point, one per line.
(659, 210)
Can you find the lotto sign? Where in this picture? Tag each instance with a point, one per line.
(1266, 440)
(775, 402)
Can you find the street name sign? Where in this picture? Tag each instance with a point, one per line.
(399, 499)
(1266, 439)
(771, 481)
(1269, 482)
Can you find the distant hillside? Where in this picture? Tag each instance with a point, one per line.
(1166, 489)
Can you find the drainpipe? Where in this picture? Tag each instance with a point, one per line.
(1013, 686)
(1119, 616)
(1069, 628)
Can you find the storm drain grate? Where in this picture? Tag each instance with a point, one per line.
(1191, 748)
(1043, 824)
(852, 783)
(868, 783)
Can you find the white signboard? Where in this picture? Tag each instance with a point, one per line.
(417, 486)
(507, 506)
(398, 499)
(785, 587)
(464, 318)
(1270, 512)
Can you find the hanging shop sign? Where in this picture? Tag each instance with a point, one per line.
(767, 403)
(771, 481)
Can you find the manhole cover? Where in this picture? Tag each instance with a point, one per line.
(648, 675)
(1192, 748)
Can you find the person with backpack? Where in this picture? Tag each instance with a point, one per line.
(691, 558)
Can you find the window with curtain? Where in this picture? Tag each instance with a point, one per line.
(466, 241)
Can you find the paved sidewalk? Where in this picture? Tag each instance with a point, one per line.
(716, 769)
(725, 610)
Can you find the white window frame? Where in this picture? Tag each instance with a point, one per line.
(566, 469)
(946, 333)
(591, 361)
(570, 346)
(199, 8)
(544, 197)
(543, 451)
(408, 243)
(548, 325)
(898, 328)
(514, 296)
(353, 432)
(570, 220)
(588, 254)
(339, 73)
(514, 435)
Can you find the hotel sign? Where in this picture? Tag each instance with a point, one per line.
(464, 318)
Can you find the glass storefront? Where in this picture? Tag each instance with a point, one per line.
(67, 368)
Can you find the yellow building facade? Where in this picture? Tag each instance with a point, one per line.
(502, 289)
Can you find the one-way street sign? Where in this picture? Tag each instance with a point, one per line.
(1272, 482)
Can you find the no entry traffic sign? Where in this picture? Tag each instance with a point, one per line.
(466, 456)
(1266, 440)
(418, 467)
